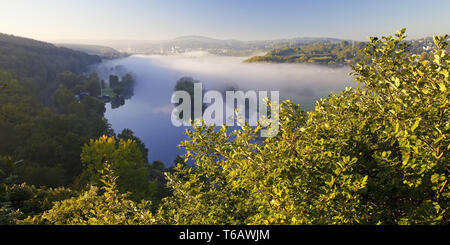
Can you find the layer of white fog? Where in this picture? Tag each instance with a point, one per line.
(148, 112)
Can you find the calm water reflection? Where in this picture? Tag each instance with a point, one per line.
(148, 112)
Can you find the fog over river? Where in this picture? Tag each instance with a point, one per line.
(148, 112)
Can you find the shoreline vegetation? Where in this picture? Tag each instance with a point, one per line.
(376, 154)
(117, 90)
(322, 53)
(330, 53)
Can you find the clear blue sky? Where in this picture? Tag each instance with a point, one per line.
(235, 19)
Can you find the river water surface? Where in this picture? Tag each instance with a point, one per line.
(148, 112)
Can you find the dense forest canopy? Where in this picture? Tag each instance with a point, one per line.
(37, 63)
(50, 108)
(42, 122)
(375, 154)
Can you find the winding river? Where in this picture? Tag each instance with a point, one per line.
(148, 112)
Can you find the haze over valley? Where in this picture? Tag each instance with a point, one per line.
(148, 112)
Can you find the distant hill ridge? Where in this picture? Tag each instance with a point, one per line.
(229, 47)
(25, 56)
(99, 50)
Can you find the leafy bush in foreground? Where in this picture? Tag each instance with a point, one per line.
(95, 208)
(377, 154)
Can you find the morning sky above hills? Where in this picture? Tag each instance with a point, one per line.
(52, 20)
